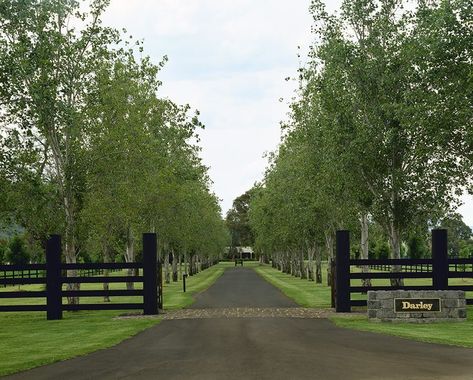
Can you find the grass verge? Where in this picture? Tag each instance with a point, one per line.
(308, 294)
(305, 293)
(451, 333)
(28, 340)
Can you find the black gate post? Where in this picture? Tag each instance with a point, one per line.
(440, 259)
(53, 278)
(342, 267)
(150, 278)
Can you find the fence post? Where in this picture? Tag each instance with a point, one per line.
(53, 278)
(150, 278)
(440, 259)
(342, 300)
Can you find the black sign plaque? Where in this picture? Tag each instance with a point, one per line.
(413, 305)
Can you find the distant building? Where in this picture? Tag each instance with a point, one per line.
(245, 253)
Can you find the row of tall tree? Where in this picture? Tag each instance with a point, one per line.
(380, 135)
(87, 147)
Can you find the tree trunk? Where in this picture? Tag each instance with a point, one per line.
(295, 264)
(130, 256)
(62, 161)
(329, 246)
(311, 266)
(309, 263)
(106, 259)
(191, 265)
(286, 263)
(395, 241)
(71, 259)
(167, 274)
(318, 265)
(174, 267)
(70, 248)
(302, 269)
(365, 246)
(180, 265)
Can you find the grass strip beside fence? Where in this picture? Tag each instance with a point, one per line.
(305, 293)
(28, 340)
(308, 294)
(451, 333)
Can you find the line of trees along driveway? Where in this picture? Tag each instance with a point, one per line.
(380, 135)
(88, 148)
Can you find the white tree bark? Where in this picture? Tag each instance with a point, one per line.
(395, 242)
(106, 259)
(329, 246)
(364, 244)
(318, 264)
(167, 274)
(302, 268)
(311, 264)
(130, 255)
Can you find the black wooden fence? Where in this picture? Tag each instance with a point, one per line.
(38, 273)
(425, 267)
(417, 268)
(440, 272)
(56, 276)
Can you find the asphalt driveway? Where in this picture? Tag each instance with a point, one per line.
(260, 348)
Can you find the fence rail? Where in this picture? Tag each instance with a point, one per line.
(454, 265)
(54, 275)
(440, 269)
(41, 273)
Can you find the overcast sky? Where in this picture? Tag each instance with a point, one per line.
(228, 58)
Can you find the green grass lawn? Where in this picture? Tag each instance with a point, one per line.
(28, 340)
(305, 293)
(457, 334)
(308, 294)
